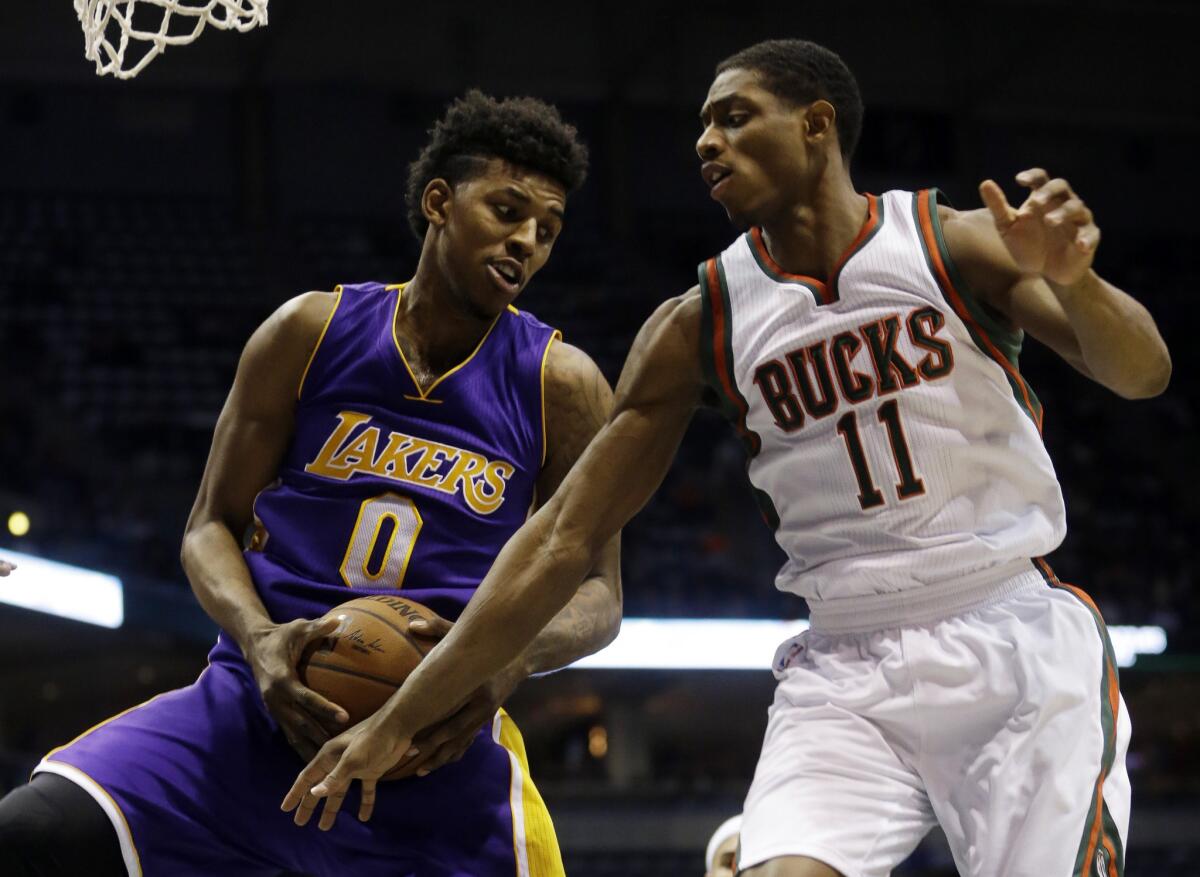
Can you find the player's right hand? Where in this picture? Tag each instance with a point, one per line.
(365, 752)
(306, 719)
(6, 567)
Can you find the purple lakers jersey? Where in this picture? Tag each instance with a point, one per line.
(387, 486)
(384, 488)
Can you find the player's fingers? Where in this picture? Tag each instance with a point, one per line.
(1071, 211)
(439, 758)
(6, 567)
(447, 754)
(1049, 196)
(321, 627)
(367, 805)
(1033, 177)
(315, 771)
(304, 810)
(454, 738)
(322, 709)
(1087, 239)
(993, 198)
(431, 627)
(333, 804)
(304, 735)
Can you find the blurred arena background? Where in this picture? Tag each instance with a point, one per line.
(146, 227)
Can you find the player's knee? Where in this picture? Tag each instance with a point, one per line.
(24, 839)
(51, 828)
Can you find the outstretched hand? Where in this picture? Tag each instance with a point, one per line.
(365, 752)
(448, 740)
(1052, 233)
(6, 567)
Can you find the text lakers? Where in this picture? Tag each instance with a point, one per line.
(356, 448)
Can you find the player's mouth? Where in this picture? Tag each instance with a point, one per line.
(715, 176)
(508, 274)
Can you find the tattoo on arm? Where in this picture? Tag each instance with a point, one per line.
(578, 402)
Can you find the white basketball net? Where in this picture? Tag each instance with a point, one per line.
(109, 28)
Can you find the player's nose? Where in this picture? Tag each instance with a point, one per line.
(709, 145)
(523, 240)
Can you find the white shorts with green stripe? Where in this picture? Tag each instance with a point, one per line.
(1002, 722)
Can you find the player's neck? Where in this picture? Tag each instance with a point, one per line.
(433, 323)
(810, 237)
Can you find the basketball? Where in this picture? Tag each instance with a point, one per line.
(369, 655)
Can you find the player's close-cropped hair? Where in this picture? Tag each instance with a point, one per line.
(801, 72)
(523, 131)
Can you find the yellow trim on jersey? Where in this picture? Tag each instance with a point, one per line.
(101, 724)
(557, 336)
(337, 290)
(49, 755)
(514, 310)
(424, 393)
(534, 836)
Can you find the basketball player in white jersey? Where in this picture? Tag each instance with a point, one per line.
(865, 348)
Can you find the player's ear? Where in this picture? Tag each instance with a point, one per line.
(435, 201)
(820, 121)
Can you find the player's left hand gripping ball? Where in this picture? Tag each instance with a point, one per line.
(365, 752)
(1052, 233)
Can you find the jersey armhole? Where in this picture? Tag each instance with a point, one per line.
(716, 350)
(1000, 343)
(312, 356)
(556, 335)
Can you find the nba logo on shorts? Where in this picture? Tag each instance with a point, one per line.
(1101, 863)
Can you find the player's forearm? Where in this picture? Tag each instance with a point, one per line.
(588, 623)
(533, 578)
(1119, 341)
(212, 560)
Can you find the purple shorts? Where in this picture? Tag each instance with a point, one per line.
(193, 779)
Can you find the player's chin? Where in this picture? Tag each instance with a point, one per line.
(739, 219)
(486, 302)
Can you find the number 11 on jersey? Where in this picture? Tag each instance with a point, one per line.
(909, 485)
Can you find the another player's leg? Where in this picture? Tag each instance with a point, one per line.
(53, 828)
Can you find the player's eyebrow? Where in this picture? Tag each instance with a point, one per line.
(722, 101)
(514, 192)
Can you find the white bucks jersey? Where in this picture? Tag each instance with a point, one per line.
(892, 441)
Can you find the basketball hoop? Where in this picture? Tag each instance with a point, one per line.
(108, 28)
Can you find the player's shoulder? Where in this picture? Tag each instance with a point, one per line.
(290, 333)
(569, 368)
(679, 316)
(303, 315)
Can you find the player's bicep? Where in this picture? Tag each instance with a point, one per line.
(256, 421)
(578, 402)
(625, 463)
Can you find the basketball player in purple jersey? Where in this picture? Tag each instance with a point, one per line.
(865, 348)
(378, 440)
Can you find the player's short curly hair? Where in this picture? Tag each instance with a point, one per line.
(523, 131)
(801, 72)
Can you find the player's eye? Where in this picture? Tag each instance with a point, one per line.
(545, 233)
(736, 120)
(504, 211)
